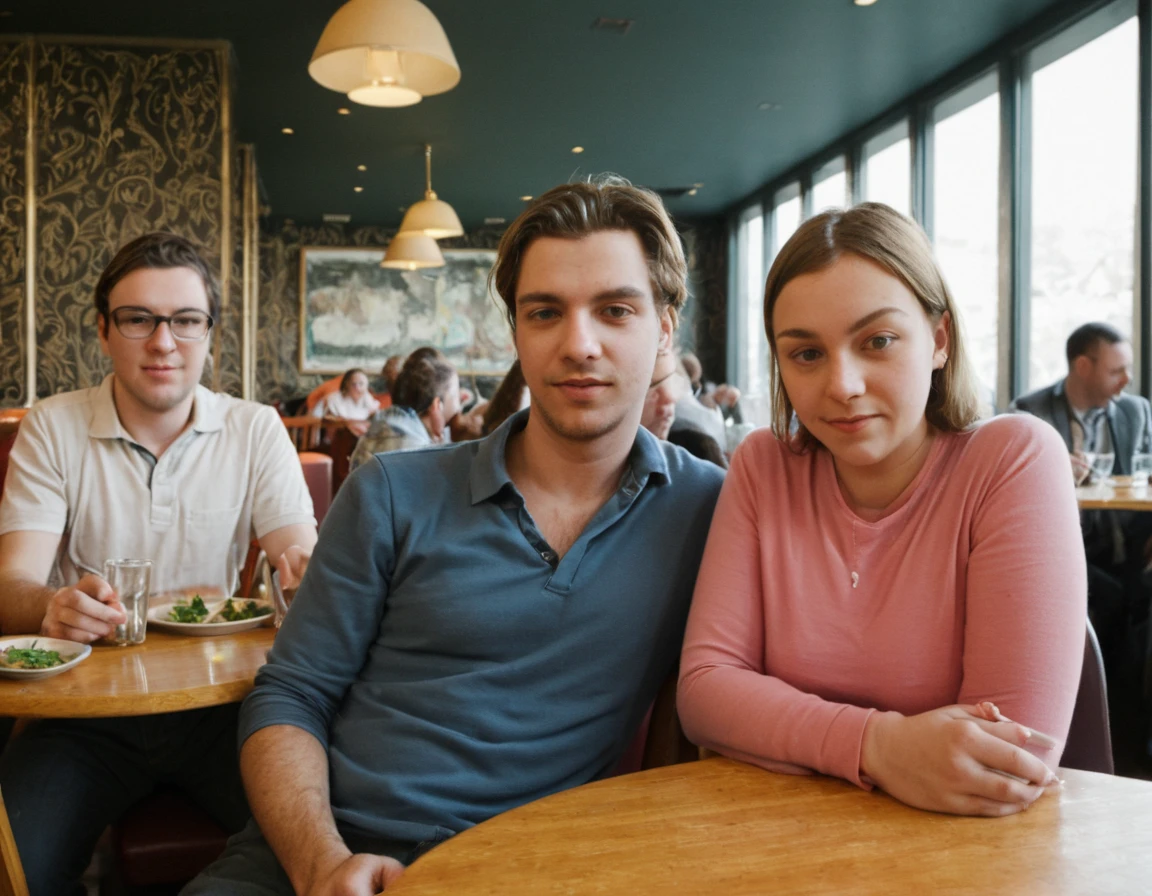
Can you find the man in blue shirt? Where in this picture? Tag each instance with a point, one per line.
(484, 624)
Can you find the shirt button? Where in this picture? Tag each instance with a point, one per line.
(630, 491)
(548, 556)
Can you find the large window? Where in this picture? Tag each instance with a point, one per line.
(888, 168)
(830, 186)
(966, 141)
(786, 215)
(752, 370)
(1084, 199)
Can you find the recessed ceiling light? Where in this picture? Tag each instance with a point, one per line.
(769, 107)
(863, 2)
(693, 191)
(343, 111)
(525, 198)
(361, 167)
(577, 149)
(287, 131)
(358, 189)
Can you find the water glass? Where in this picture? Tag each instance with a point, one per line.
(130, 579)
(1102, 464)
(1141, 467)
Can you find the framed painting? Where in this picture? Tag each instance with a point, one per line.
(354, 313)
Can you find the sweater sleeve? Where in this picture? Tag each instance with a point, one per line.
(1025, 607)
(726, 700)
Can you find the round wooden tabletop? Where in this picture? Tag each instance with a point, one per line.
(167, 673)
(721, 826)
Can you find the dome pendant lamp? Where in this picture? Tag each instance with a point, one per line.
(384, 53)
(431, 216)
(411, 252)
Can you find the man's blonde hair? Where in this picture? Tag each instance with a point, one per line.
(575, 210)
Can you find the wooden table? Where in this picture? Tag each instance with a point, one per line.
(720, 826)
(1106, 497)
(167, 673)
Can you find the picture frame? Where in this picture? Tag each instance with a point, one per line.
(354, 313)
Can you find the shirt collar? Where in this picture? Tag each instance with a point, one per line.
(490, 472)
(207, 413)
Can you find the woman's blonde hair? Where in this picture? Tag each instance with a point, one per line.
(897, 244)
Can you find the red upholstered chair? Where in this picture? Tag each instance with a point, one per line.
(165, 839)
(9, 425)
(318, 475)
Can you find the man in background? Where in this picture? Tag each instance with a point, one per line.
(1093, 415)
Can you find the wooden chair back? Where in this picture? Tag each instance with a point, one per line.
(12, 882)
(305, 431)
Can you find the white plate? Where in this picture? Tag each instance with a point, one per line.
(66, 648)
(158, 618)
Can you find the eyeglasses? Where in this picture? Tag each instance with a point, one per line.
(188, 325)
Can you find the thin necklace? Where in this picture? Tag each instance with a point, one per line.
(855, 574)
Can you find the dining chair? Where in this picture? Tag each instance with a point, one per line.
(1089, 744)
(164, 839)
(12, 882)
(306, 432)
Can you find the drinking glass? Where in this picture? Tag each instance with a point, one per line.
(130, 579)
(1141, 468)
(1102, 466)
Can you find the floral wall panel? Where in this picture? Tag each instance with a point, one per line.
(14, 57)
(129, 140)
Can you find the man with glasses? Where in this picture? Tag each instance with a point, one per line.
(147, 465)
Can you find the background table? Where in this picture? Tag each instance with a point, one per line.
(167, 673)
(720, 826)
(1105, 497)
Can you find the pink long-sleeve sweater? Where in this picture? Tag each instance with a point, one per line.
(971, 587)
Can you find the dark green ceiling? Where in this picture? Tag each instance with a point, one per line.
(674, 101)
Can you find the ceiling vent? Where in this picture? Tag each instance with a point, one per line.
(337, 219)
(613, 26)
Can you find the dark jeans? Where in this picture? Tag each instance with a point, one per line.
(248, 866)
(64, 781)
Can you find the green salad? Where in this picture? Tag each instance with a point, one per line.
(33, 658)
(194, 611)
(234, 613)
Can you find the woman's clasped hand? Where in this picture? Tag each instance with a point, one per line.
(956, 759)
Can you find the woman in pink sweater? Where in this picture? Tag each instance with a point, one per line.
(872, 578)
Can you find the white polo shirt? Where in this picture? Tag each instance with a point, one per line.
(75, 471)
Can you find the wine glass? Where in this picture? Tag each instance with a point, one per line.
(1102, 463)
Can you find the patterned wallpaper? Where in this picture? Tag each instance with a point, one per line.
(13, 110)
(128, 139)
(706, 241)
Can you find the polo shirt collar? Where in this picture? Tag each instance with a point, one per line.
(207, 413)
(489, 473)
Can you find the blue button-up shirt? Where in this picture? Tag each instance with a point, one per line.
(452, 666)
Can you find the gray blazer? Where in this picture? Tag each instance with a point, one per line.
(1129, 420)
